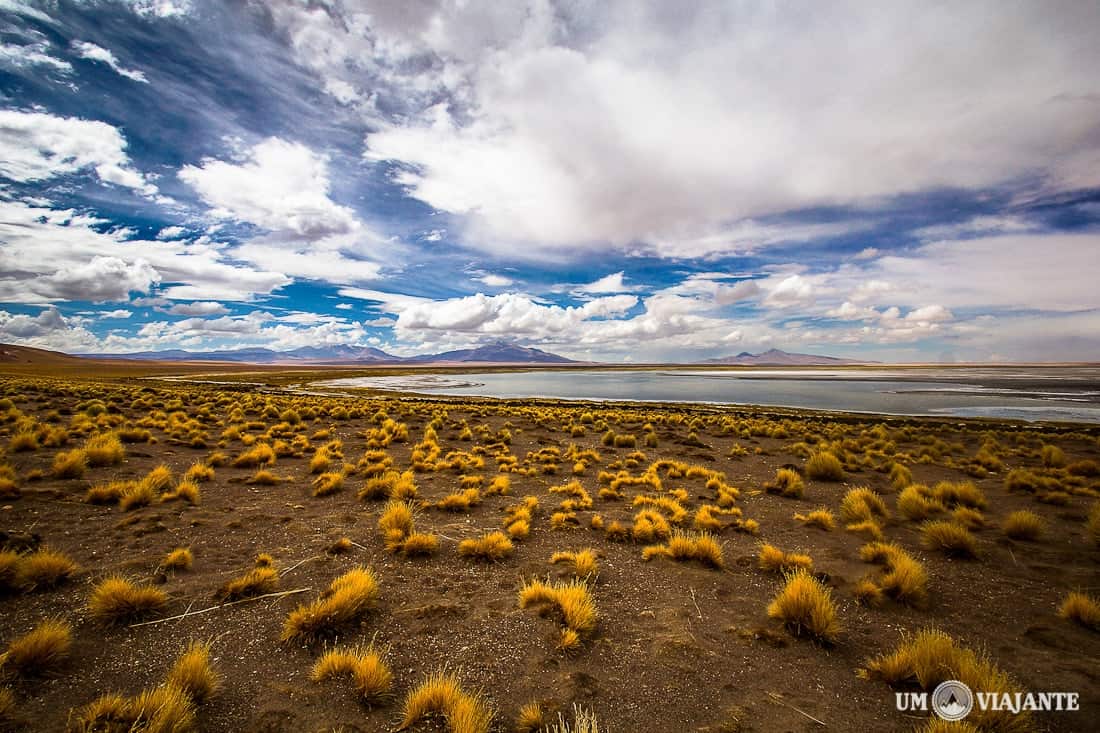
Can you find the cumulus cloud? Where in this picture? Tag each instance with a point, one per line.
(93, 52)
(36, 146)
(282, 186)
(537, 138)
(198, 308)
(493, 280)
(116, 314)
(612, 283)
(34, 239)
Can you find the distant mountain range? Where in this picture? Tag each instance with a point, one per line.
(497, 352)
(777, 357)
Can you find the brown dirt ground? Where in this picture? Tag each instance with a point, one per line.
(679, 647)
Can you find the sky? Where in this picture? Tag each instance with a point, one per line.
(618, 181)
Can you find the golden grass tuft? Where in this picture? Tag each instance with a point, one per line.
(969, 518)
(820, 518)
(650, 525)
(264, 477)
(256, 582)
(774, 560)
(583, 562)
(108, 493)
(104, 449)
(490, 547)
(199, 472)
(441, 693)
(584, 721)
(348, 598)
(867, 593)
(501, 484)
(163, 709)
(187, 491)
(116, 600)
(862, 504)
(136, 494)
(916, 502)
(572, 600)
(157, 480)
(938, 725)
(805, 606)
(178, 559)
(369, 673)
(682, 546)
(69, 464)
(420, 544)
(786, 483)
(38, 652)
(328, 483)
(389, 485)
(825, 466)
(529, 718)
(261, 454)
(45, 568)
(904, 578)
(961, 493)
(931, 657)
(1082, 609)
(949, 537)
(193, 674)
(1023, 525)
(868, 529)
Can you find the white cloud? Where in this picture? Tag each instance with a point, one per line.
(33, 240)
(170, 232)
(198, 308)
(282, 187)
(539, 140)
(494, 281)
(161, 8)
(35, 146)
(32, 55)
(120, 313)
(612, 283)
(93, 52)
(344, 306)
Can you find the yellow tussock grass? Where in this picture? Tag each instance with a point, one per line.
(350, 597)
(806, 608)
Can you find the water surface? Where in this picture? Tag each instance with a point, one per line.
(1019, 393)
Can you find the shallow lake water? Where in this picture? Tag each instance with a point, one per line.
(1017, 393)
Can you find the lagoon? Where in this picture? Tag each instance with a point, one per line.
(1070, 393)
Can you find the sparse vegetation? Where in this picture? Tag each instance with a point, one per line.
(117, 600)
(1082, 609)
(348, 598)
(1023, 525)
(806, 608)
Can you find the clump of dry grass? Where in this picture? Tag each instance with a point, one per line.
(529, 718)
(931, 657)
(45, 568)
(650, 525)
(500, 485)
(369, 673)
(108, 493)
(193, 673)
(328, 483)
(904, 578)
(825, 466)
(348, 598)
(186, 490)
(389, 485)
(774, 560)
(584, 721)
(900, 476)
(916, 502)
(961, 493)
(949, 537)
(491, 547)
(178, 559)
(442, 694)
(261, 454)
(786, 483)
(460, 501)
(163, 709)
(199, 472)
(116, 600)
(38, 652)
(861, 505)
(104, 449)
(572, 601)
(806, 608)
(157, 480)
(867, 593)
(1023, 525)
(868, 529)
(69, 464)
(583, 562)
(821, 518)
(969, 518)
(258, 581)
(1082, 609)
(682, 546)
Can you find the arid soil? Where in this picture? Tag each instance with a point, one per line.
(679, 646)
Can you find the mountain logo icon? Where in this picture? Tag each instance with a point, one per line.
(952, 700)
